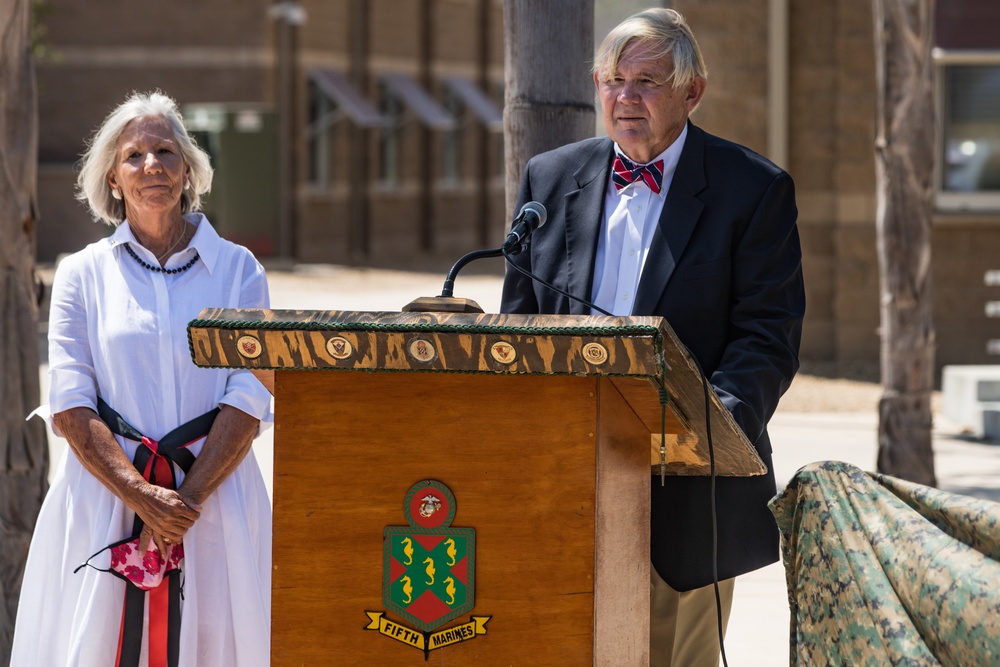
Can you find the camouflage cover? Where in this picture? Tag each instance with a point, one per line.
(885, 572)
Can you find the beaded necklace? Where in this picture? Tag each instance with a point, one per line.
(160, 269)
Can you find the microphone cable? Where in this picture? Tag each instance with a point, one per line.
(713, 509)
(508, 255)
(708, 435)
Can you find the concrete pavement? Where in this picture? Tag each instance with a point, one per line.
(758, 630)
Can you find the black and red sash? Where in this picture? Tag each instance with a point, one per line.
(155, 459)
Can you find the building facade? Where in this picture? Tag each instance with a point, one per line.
(340, 130)
(795, 80)
(370, 131)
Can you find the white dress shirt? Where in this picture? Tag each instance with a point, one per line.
(630, 216)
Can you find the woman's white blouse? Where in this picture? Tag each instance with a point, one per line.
(119, 330)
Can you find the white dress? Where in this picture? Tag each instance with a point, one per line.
(119, 330)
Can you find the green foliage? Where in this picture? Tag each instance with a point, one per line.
(39, 48)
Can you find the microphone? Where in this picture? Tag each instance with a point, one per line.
(531, 217)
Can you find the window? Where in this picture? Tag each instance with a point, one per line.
(969, 113)
(389, 136)
(462, 95)
(319, 137)
(332, 98)
(451, 142)
(968, 104)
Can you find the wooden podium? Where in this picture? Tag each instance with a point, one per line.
(543, 429)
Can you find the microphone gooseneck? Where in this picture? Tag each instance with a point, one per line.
(448, 290)
(531, 217)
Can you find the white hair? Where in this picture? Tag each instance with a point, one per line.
(99, 158)
(666, 31)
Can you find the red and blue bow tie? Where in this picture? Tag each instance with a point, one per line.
(624, 172)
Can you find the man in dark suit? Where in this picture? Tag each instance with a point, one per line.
(662, 218)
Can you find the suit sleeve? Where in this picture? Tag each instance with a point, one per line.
(518, 291)
(767, 308)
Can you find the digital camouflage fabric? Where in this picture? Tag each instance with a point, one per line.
(886, 572)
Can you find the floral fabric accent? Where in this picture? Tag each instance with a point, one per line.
(145, 572)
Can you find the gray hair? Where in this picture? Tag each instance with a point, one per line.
(99, 158)
(666, 31)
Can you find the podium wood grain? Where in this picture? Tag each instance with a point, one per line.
(643, 354)
(544, 428)
(519, 454)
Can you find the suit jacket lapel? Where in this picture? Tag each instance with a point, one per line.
(584, 208)
(681, 211)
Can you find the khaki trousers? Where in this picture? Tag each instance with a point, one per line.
(683, 627)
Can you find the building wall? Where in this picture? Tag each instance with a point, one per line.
(100, 51)
(830, 132)
(405, 225)
(831, 157)
(225, 51)
(965, 248)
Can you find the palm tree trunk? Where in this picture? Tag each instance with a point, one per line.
(23, 447)
(904, 150)
(549, 92)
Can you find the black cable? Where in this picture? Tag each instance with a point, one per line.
(552, 287)
(714, 511)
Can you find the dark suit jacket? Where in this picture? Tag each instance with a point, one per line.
(725, 270)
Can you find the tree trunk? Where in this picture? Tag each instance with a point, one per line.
(904, 148)
(23, 447)
(549, 92)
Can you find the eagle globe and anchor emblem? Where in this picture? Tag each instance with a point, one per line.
(428, 574)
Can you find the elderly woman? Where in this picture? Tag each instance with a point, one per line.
(159, 485)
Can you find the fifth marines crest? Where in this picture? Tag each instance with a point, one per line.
(428, 575)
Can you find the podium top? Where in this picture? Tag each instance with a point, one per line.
(462, 342)
(632, 352)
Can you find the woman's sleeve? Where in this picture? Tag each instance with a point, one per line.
(244, 391)
(72, 378)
